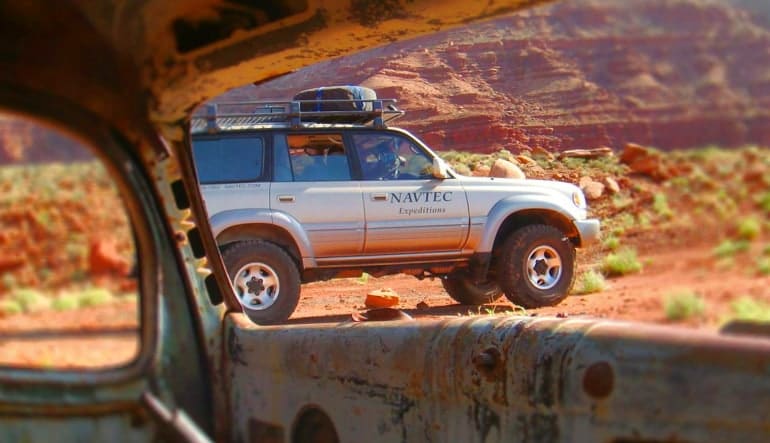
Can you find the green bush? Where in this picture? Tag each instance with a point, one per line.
(621, 263)
(65, 302)
(763, 266)
(660, 206)
(30, 300)
(10, 307)
(763, 201)
(682, 305)
(9, 281)
(590, 282)
(746, 308)
(363, 279)
(749, 228)
(612, 243)
(94, 297)
(729, 248)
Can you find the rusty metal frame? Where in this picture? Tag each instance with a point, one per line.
(91, 131)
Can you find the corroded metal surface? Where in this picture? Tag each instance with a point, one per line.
(495, 379)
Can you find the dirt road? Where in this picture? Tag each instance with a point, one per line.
(107, 334)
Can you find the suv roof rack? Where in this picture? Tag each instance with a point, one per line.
(297, 113)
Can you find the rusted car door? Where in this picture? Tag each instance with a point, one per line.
(495, 379)
(162, 388)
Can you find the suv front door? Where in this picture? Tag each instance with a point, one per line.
(407, 209)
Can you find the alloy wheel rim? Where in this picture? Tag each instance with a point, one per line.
(256, 286)
(544, 267)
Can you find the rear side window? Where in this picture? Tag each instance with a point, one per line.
(229, 160)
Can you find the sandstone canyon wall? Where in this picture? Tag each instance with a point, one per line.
(574, 74)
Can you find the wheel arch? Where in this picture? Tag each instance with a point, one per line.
(264, 224)
(539, 216)
(261, 231)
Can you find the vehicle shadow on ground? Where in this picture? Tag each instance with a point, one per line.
(389, 314)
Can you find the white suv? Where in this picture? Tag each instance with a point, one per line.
(298, 196)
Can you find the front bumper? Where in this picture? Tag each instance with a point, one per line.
(588, 230)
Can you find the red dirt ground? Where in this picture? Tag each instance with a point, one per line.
(637, 297)
(106, 335)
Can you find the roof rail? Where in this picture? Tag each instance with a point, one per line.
(218, 117)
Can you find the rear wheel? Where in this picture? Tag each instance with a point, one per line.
(536, 266)
(265, 279)
(461, 287)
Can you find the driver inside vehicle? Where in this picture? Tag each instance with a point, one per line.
(378, 156)
(414, 163)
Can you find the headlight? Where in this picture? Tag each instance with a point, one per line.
(579, 199)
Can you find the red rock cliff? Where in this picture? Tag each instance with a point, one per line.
(583, 73)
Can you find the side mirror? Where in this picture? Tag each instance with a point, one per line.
(440, 169)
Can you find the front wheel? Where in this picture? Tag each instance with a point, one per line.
(461, 287)
(265, 279)
(537, 266)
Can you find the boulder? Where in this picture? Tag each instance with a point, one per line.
(542, 152)
(103, 258)
(644, 161)
(612, 185)
(505, 169)
(525, 160)
(591, 188)
(587, 153)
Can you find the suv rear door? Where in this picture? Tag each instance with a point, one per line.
(407, 209)
(312, 184)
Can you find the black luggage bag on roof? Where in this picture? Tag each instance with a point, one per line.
(320, 95)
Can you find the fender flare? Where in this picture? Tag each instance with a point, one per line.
(222, 221)
(509, 206)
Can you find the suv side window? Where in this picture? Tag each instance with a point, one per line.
(318, 157)
(229, 160)
(386, 156)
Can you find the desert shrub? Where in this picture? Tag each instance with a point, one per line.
(660, 206)
(9, 281)
(749, 309)
(612, 243)
(681, 182)
(621, 262)
(749, 228)
(622, 201)
(462, 169)
(10, 307)
(590, 282)
(644, 221)
(30, 300)
(65, 302)
(94, 297)
(763, 266)
(763, 201)
(363, 279)
(683, 304)
(729, 248)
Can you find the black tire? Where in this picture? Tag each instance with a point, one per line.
(264, 267)
(547, 278)
(465, 291)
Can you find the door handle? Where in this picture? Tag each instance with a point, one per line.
(286, 198)
(380, 197)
